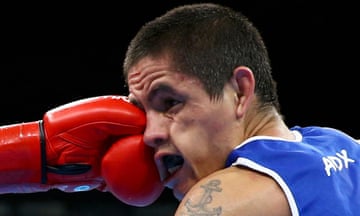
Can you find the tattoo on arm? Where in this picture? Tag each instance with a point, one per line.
(201, 208)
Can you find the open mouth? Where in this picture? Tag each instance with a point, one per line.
(172, 163)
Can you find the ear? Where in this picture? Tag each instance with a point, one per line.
(243, 82)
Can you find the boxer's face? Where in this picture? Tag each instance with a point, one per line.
(191, 134)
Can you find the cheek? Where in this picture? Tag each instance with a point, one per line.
(201, 126)
(200, 136)
(188, 134)
(195, 134)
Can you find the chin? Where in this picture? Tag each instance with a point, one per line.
(180, 190)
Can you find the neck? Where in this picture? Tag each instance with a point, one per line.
(265, 123)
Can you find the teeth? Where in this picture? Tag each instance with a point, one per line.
(172, 163)
(174, 169)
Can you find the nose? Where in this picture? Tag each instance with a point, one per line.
(156, 131)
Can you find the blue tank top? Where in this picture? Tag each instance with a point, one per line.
(319, 172)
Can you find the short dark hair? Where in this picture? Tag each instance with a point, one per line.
(207, 41)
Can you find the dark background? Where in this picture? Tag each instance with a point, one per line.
(54, 53)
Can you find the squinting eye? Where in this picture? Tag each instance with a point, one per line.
(169, 103)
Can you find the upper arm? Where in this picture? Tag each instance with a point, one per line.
(233, 192)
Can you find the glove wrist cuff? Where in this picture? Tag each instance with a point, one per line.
(20, 154)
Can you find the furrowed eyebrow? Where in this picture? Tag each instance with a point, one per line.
(157, 90)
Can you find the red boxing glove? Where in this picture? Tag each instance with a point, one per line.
(130, 173)
(64, 150)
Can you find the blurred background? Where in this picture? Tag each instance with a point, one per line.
(57, 52)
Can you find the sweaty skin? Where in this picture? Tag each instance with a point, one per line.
(180, 121)
(183, 120)
(235, 191)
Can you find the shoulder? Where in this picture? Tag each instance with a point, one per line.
(234, 191)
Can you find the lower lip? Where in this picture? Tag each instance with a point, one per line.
(170, 180)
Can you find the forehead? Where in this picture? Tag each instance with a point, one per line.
(152, 73)
(146, 71)
(149, 70)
